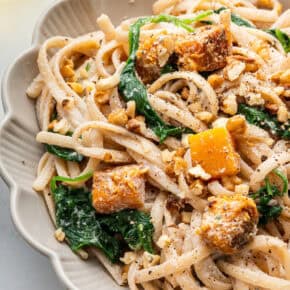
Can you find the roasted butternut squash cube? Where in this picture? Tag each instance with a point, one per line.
(119, 188)
(214, 151)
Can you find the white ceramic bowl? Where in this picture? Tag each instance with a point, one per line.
(19, 153)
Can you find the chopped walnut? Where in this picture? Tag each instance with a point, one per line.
(281, 77)
(197, 187)
(236, 125)
(67, 68)
(131, 109)
(184, 140)
(242, 189)
(204, 116)
(199, 172)
(215, 80)
(254, 99)
(134, 125)
(102, 97)
(285, 77)
(128, 258)
(167, 156)
(229, 182)
(230, 105)
(77, 87)
(234, 70)
(149, 260)
(185, 93)
(262, 48)
(118, 117)
(59, 126)
(175, 167)
(59, 235)
(195, 107)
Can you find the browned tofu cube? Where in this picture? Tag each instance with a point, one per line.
(119, 188)
(229, 222)
(206, 49)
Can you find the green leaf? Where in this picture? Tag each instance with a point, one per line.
(64, 153)
(77, 219)
(134, 226)
(132, 89)
(283, 38)
(83, 178)
(265, 194)
(284, 180)
(83, 227)
(264, 120)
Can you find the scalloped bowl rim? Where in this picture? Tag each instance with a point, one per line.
(10, 182)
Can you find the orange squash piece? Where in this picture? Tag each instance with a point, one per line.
(119, 188)
(214, 151)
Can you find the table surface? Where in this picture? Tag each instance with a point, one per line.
(21, 266)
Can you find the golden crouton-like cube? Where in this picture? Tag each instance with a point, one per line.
(214, 151)
(229, 222)
(119, 188)
(206, 49)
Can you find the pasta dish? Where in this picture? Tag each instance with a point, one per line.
(166, 142)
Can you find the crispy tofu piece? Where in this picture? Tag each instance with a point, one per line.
(119, 188)
(206, 49)
(214, 150)
(229, 222)
(153, 54)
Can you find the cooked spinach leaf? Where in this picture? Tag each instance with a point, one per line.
(112, 234)
(267, 206)
(77, 219)
(235, 18)
(282, 37)
(134, 226)
(64, 153)
(263, 119)
(132, 89)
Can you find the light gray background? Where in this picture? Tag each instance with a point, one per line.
(21, 267)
